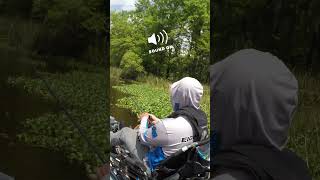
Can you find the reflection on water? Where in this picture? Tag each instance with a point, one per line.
(25, 162)
(30, 163)
(126, 116)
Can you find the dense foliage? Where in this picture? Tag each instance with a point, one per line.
(84, 95)
(187, 25)
(131, 65)
(73, 28)
(54, 36)
(289, 29)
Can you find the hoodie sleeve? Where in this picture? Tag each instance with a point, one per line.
(155, 135)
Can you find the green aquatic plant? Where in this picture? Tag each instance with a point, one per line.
(143, 97)
(150, 94)
(84, 95)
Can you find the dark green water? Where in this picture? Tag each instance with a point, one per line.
(19, 160)
(126, 116)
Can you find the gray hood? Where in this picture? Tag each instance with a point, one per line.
(186, 92)
(253, 98)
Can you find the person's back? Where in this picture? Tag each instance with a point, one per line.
(179, 133)
(169, 135)
(253, 98)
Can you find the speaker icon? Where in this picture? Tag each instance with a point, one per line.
(152, 39)
(156, 39)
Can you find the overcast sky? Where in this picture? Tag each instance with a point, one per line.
(122, 4)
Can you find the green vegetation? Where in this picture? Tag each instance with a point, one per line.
(65, 41)
(145, 77)
(304, 137)
(187, 25)
(288, 29)
(131, 65)
(151, 94)
(145, 98)
(115, 75)
(69, 28)
(84, 95)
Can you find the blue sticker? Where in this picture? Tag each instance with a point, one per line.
(154, 132)
(145, 135)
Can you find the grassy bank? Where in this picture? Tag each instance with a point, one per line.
(83, 91)
(151, 94)
(304, 136)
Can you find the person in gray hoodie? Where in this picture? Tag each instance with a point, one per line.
(253, 100)
(157, 139)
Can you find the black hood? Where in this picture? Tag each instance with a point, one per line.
(253, 98)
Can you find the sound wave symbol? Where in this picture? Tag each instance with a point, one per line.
(164, 38)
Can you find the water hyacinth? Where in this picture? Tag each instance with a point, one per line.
(143, 97)
(84, 95)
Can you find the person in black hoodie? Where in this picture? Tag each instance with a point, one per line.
(253, 99)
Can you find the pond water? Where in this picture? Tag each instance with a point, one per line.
(19, 160)
(125, 116)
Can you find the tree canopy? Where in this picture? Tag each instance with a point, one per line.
(73, 28)
(187, 24)
(289, 29)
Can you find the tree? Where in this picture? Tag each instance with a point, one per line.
(131, 65)
(289, 29)
(122, 36)
(187, 24)
(71, 28)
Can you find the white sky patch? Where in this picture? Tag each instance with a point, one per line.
(125, 5)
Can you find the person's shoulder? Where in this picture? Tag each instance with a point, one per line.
(178, 122)
(176, 127)
(174, 120)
